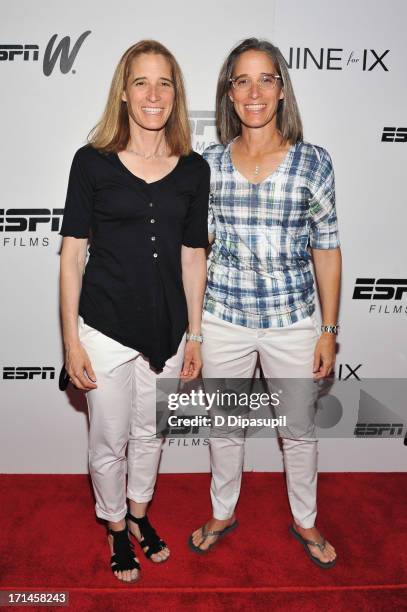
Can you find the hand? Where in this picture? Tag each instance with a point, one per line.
(324, 356)
(192, 361)
(79, 368)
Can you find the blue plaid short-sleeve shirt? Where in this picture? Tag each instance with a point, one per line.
(259, 272)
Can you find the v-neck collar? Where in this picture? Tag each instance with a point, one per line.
(227, 164)
(125, 169)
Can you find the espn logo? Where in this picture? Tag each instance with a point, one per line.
(394, 134)
(28, 373)
(380, 289)
(379, 429)
(27, 219)
(200, 120)
(9, 52)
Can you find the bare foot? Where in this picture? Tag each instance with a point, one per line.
(159, 557)
(126, 575)
(212, 525)
(326, 555)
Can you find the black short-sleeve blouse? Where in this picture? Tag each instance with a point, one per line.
(132, 288)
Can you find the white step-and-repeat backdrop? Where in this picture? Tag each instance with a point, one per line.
(348, 65)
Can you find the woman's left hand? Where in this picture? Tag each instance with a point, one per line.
(324, 356)
(192, 361)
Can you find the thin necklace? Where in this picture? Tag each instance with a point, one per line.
(149, 155)
(257, 167)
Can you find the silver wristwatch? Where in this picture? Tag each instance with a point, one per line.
(195, 337)
(330, 329)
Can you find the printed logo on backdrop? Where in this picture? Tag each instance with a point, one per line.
(330, 58)
(186, 434)
(346, 371)
(394, 134)
(343, 408)
(65, 51)
(385, 295)
(351, 409)
(375, 420)
(28, 373)
(19, 227)
(203, 128)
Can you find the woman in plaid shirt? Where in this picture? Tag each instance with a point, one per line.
(272, 216)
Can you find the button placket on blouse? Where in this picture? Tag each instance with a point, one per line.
(153, 236)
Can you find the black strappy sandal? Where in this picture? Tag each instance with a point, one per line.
(149, 536)
(123, 559)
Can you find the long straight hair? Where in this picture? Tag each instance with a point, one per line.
(112, 133)
(288, 116)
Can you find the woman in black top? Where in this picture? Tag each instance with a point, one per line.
(139, 195)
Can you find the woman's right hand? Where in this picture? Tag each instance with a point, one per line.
(79, 367)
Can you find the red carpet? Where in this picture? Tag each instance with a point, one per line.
(51, 540)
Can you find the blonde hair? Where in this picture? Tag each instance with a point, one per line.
(288, 116)
(112, 133)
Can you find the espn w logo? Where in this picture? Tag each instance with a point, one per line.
(62, 51)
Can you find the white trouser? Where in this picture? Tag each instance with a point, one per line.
(122, 414)
(231, 351)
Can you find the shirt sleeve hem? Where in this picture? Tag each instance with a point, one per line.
(73, 234)
(195, 245)
(325, 247)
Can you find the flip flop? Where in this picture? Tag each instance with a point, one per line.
(205, 534)
(320, 545)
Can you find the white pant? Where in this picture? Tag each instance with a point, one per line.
(122, 414)
(231, 351)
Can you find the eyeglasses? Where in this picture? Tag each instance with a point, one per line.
(266, 81)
